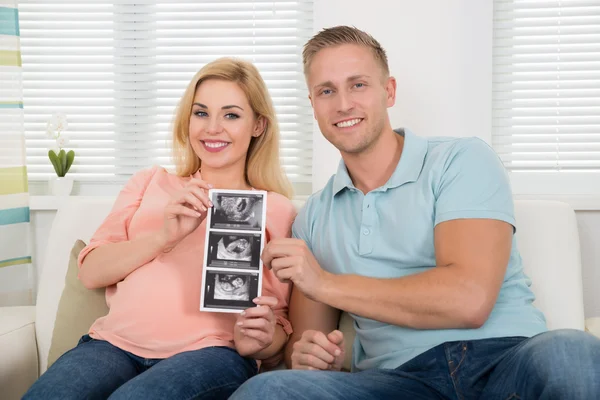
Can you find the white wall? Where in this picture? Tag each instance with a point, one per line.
(441, 55)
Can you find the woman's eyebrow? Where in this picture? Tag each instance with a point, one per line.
(227, 107)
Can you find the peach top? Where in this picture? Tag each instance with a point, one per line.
(155, 310)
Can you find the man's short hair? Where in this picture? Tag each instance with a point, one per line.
(339, 35)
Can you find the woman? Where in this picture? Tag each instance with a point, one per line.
(154, 342)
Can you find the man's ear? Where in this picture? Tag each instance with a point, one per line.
(260, 126)
(390, 88)
(312, 106)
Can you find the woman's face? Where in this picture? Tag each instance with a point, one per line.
(222, 124)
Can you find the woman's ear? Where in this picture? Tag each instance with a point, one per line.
(260, 126)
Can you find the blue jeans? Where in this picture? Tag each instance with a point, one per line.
(96, 369)
(561, 364)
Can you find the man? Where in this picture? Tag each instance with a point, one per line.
(413, 237)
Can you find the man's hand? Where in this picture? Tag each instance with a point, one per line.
(291, 260)
(255, 327)
(317, 351)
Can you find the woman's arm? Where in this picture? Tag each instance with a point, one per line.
(112, 262)
(112, 255)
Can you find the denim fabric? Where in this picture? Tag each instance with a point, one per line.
(562, 364)
(96, 369)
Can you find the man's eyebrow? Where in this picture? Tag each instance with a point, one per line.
(350, 78)
(227, 107)
(355, 77)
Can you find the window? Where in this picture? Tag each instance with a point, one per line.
(546, 95)
(117, 70)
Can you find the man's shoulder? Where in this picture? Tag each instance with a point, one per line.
(445, 150)
(319, 199)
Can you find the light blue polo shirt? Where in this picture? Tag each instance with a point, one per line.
(388, 233)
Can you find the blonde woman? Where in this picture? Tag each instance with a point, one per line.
(155, 342)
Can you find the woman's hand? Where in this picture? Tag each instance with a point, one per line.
(255, 327)
(185, 212)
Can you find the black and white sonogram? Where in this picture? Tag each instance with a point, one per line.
(233, 291)
(234, 250)
(237, 211)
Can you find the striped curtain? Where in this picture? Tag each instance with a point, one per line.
(16, 271)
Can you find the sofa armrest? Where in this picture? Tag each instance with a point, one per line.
(19, 361)
(592, 325)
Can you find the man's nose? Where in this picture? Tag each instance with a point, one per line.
(345, 103)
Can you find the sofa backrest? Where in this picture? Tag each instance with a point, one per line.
(547, 237)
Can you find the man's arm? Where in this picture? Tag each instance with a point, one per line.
(471, 256)
(306, 314)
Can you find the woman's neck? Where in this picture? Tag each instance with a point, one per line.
(225, 178)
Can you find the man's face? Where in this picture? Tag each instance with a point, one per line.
(350, 96)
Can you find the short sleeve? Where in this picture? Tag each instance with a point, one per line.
(473, 184)
(114, 228)
(301, 226)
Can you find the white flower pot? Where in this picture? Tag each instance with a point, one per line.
(60, 186)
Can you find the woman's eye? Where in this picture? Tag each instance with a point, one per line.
(232, 116)
(201, 113)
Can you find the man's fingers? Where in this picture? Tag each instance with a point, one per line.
(314, 350)
(320, 339)
(336, 337)
(281, 247)
(309, 360)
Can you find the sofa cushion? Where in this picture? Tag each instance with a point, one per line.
(346, 326)
(78, 308)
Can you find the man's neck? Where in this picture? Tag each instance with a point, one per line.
(374, 167)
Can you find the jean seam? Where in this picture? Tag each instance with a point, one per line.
(452, 373)
(212, 390)
(513, 396)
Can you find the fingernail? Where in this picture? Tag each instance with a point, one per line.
(240, 323)
(256, 300)
(210, 186)
(242, 330)
(198, 214)
(211, 203)
(243, 313)
(337, 352)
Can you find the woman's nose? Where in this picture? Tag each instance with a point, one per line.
(214, 126)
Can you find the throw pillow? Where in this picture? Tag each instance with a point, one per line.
(78, 308)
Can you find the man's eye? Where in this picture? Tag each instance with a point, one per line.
(326, 91)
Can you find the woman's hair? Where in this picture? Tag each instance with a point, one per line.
(263, 169)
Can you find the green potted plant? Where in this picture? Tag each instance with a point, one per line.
(61, 160)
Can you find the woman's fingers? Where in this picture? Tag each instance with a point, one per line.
(178, 209)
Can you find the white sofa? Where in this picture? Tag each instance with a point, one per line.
(546, 232)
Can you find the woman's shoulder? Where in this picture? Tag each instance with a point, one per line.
(278, 203)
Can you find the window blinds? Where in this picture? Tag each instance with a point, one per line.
(117, 70)
(546, 86)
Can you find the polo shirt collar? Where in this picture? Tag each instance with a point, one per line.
(408, 169)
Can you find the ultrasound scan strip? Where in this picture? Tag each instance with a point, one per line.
(235, 237)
